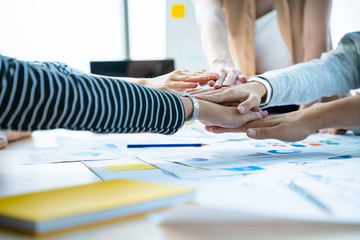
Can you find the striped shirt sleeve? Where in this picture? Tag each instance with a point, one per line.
(34, 97)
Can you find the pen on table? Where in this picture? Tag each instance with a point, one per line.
(166, 145)
(301, 191)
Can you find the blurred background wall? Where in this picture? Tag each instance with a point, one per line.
(79, 31)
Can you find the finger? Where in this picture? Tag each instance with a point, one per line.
(3, 140)
(214, 76)
(204, 79)
(264, 133)
(201, 90)
(214, 97)
(336, 131)
(242, 78)
(218, 130)
(204, 73)
(252, 116)
(256, 109)
(219, 82)
(183, 85)
(250, 102)
(238, 82)
(231, 78)
(230, 104)
(211, 83)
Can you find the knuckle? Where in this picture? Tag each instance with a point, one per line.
(264, 132)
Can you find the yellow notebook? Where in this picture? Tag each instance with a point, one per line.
(46, 211)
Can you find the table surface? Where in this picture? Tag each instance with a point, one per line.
(17, 179)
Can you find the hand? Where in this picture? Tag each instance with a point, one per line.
(181, 79)
(289, 127)
(11, 136)
(248, 95)
(211, 114)
(229, 75)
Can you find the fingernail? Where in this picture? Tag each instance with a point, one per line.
(264, 113)
(251, 133)
(242, 109)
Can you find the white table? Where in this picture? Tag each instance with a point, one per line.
(17, 179)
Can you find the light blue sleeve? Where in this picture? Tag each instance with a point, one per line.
(336, 72)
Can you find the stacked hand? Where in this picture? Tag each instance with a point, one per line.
(247, 97)
(228, 74)
(181, 79)
(288, 127)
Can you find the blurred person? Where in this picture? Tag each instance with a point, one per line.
(337, 72)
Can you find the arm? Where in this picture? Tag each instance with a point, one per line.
(34, 97)
(316, 36)
(176, 80)
(316, 28)
(336, 72)
(213, 32)
(295, 126)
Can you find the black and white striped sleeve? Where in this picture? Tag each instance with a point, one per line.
(35, 97)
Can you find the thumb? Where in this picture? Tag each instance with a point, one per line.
(248, 104)
(261, 133)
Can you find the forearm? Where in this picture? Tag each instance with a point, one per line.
(316, 36)
(138, 81)
(337, 72)
(34, 97)
(213, 32)
(342, 113)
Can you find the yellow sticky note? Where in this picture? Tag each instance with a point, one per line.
(130, 167)
(178, 11)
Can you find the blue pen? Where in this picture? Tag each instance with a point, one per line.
(166, 145)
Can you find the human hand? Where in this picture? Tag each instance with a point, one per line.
(246, 96)
(229, 75)
(339, 131)
(3, 140)
(289, 127)
(211, 114)
(181, 79)
(11, 136)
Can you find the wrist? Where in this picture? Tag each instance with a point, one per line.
(223, 60)
(188, 107)
(192, 110)
(259, 88)
(314, 117)
(145, 81)
(262, 88)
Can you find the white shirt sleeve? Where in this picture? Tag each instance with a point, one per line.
(268, 89)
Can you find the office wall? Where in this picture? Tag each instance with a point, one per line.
(183, 39)
(71, 31)
(345, 17)
(78, 31)
(147, 20)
